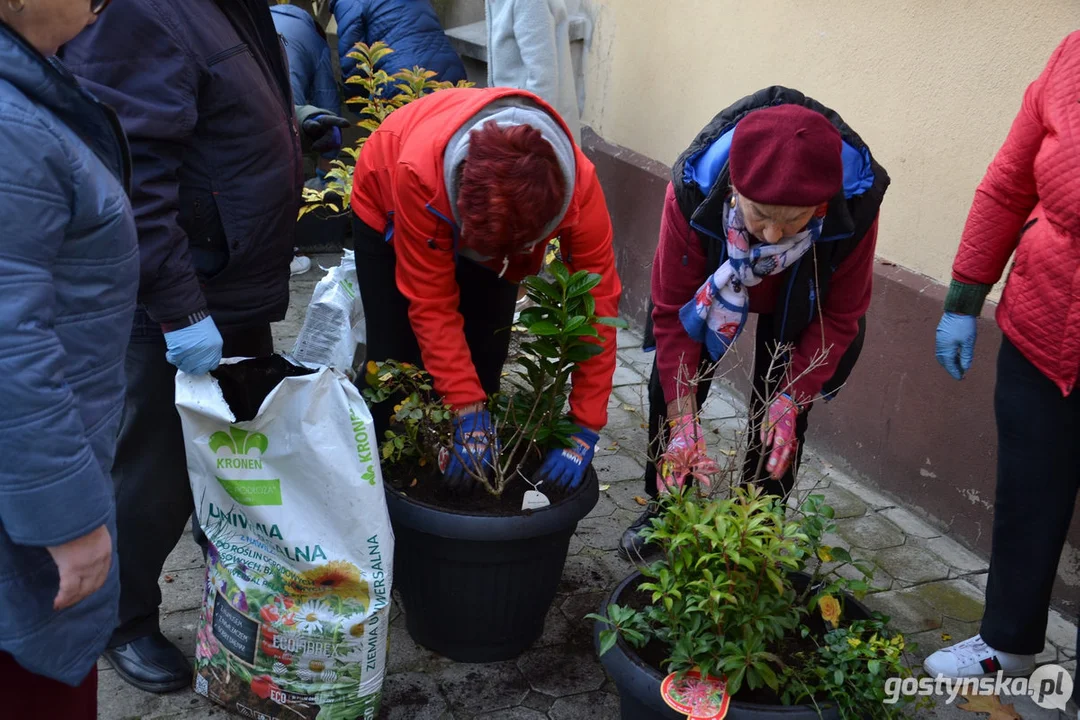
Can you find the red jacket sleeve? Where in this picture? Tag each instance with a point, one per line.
(679, 269)
(426, 277)
(590, 245)
(838, 322)
(1007, 194)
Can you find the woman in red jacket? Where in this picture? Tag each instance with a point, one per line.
(1026, 204)
(771, 210)
(455, 197)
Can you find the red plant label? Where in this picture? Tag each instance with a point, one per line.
(699, 698)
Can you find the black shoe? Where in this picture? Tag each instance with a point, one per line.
(151, 663)
(633, 547)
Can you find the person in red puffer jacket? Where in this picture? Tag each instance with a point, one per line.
(1028, 204)
(772, 210)
(454, 200)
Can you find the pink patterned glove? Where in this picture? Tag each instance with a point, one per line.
(685, 457)
(778, 432)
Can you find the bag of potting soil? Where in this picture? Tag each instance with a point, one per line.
(334, 325)
(289, 493)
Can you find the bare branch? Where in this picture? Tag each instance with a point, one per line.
(779, 381)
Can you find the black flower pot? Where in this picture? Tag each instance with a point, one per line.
(477, 588)
(639, 684)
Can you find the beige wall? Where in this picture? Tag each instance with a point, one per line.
(931, 85)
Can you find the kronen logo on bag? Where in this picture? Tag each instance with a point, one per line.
(245, 491)
(363, 448)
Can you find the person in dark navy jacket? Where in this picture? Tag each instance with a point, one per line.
(202, 89)
(311, 72)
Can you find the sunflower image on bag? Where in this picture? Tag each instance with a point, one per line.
(295, 611)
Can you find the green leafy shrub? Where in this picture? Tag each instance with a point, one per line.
(562, 324)
(849, 667)
(723, 599)
(422, 421)
(530, 415)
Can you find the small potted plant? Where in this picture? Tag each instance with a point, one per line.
(747, 612)
(477, 573)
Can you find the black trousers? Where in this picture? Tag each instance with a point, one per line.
(1038, 477)
(486, 303)
(765, 386)
(153, 494)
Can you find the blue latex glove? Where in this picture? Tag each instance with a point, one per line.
(565, 467)
(195, 349)
(324, 132)
(955, 343)
(474, 448)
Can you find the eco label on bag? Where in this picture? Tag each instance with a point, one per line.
(253, 492)
(697, 697)
(296, 605)
(234, 631)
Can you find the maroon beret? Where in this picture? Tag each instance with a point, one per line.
(786, 155)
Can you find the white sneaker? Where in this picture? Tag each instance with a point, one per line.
(974, 658)
(299, 265)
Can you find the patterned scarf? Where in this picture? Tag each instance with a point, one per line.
(717, 314)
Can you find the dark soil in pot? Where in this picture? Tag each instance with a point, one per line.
(476, 586)
(423, 484)
(638, 675)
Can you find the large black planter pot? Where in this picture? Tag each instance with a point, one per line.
(476, 588)
(639, 684)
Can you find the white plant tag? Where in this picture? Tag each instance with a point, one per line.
(534, 500)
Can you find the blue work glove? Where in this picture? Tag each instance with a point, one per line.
(474, 448)
(565, 467)
(955, 343)
(324, 132)
(195, 349)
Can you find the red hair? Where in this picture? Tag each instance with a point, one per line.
(511, 188)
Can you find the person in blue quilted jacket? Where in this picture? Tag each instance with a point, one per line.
(311, 68)
(311, 75)
(69, 273)
(411, 29)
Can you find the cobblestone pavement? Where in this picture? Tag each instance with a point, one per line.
(929, 584)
